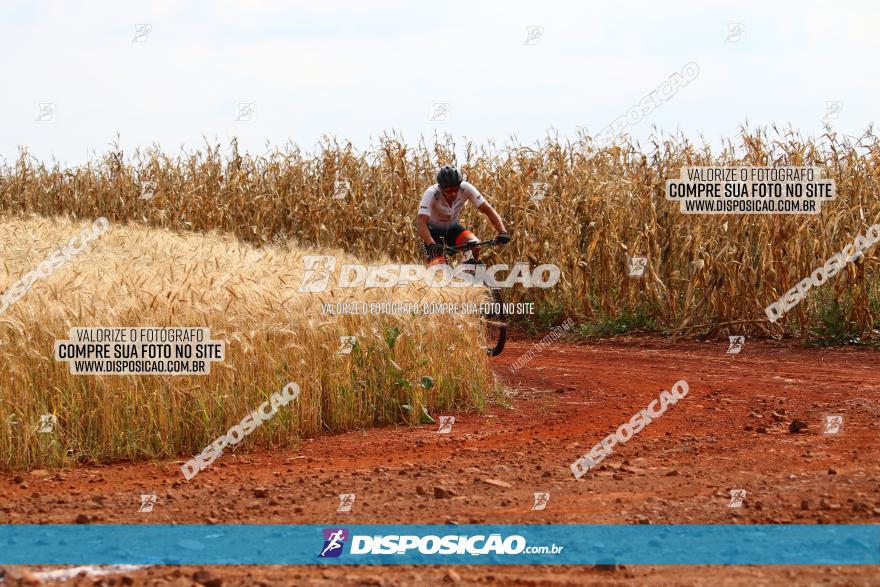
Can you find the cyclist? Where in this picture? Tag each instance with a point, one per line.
(439, 210)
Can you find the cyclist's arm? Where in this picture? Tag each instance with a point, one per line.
(493, 217)
(423, 215)
(422, 229)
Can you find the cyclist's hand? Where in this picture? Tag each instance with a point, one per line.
(502, 239)
(434, 250)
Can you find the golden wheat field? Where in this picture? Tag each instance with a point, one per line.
(134, 275)
(706, 274)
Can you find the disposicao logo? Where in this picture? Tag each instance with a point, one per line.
(334, 541)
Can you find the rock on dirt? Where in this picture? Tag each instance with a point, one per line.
(207, 578)
(443, 492)
(497, 483)
(452, 577)
(796, 426)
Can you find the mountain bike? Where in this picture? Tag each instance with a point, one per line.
(492, 302)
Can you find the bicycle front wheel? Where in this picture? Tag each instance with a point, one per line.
(494, 323)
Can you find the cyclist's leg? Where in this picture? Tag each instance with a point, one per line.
(461, 235)
(439, 235)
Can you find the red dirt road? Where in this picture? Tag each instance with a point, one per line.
(730, 432)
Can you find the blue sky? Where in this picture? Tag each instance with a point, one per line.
(358, 69)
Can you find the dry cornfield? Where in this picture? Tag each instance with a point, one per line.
(706, 274)
(134, 275)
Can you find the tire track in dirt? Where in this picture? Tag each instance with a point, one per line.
(730, 432)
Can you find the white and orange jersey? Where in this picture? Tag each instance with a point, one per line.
(443, 215)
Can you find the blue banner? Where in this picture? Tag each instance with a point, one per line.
(553, 544)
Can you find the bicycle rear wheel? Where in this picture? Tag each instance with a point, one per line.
(494, 323)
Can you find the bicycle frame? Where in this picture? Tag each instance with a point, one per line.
(470, 245)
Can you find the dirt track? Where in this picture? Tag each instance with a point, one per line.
(679, 469)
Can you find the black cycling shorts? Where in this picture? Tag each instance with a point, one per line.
(454, 236)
